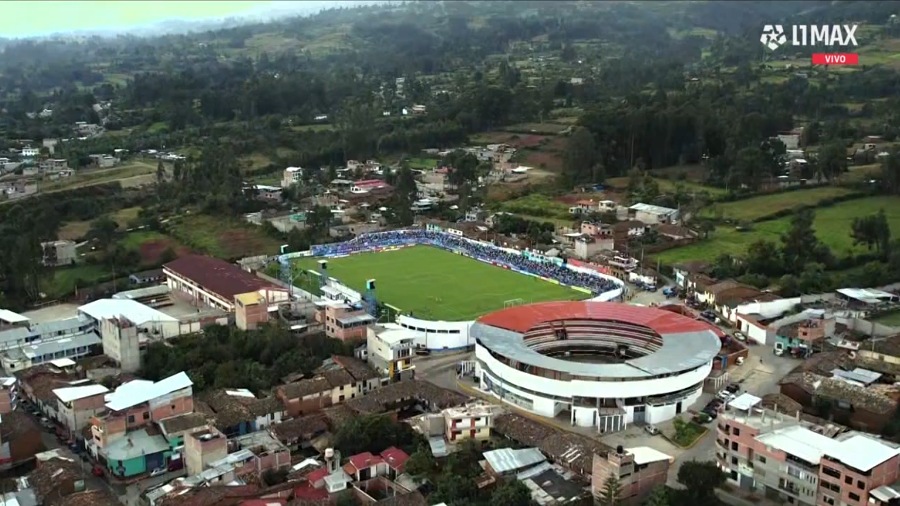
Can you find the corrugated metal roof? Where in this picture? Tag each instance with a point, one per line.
(507, 459)
(60, 345)
(139, 391)
(70, 394)
(124, 308)
(11, 317)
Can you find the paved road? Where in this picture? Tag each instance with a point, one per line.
(759, 376)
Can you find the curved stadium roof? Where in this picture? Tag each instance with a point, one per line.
(687, 343)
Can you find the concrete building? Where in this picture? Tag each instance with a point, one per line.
(216, 283)
(78, 404)
(639, 470)
(390, 351)
(654, 215)
(291, 176)
(793, 459)
(202, 448)
(9, 398)
(344, 321)
(123, 324)
(25, 346)
(57, 253)
(137, 404)
(587, 246)
(251, 310)
(469, 422)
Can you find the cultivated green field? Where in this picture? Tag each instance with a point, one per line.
(436, 284)
(832, 227)
(765, 205)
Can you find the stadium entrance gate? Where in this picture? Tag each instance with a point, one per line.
(640, 414)
(610, 420)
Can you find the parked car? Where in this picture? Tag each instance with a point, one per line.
(713, 404)
(46, 423)
(726, 396)
(651, 429)
(740, 336)
(709, 315)
(97, 471)
(702, 418)
(733, 388)
(158, 471)
(711, 413)
(176, 465)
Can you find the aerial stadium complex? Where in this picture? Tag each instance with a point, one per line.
(436, 283)
(601, 364)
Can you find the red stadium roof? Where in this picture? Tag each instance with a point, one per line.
(523, 318)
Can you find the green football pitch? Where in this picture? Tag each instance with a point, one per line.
(435, 284)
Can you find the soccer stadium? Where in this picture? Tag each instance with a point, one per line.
(436, 283)
(595, 363)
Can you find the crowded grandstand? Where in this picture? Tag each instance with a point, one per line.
(483, 251)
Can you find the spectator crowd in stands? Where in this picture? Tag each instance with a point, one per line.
(479, 250)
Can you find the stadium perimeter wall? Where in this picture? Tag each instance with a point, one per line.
(450, 336)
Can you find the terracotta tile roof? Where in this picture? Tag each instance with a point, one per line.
(43, 383)
(212, 496)
(395, 458)
(304, 427)
(338, 415)
(722, 286)
(49, 473)
(388, 396)
(318, 474)
(573, 451)
(738, 295)
(364, 460)
(217, 276)
(305, 387)
(338, 378)
(357, 368)
(94, 497)
(183, 422)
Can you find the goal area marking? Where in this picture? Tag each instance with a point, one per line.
(513, 302)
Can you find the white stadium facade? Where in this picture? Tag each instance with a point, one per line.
(602, 364)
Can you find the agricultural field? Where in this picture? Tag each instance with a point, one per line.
(152, 246)
(832, 226)
(435, 284)
(669, 186)
(537, 206)
(75, 230)
(131, 173)
(765, 205)
(221, 237)
(891, 319)
(67, 280)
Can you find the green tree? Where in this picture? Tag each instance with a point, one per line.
(890, 172)
(103, 230)
(799, 245)
(658, 497)
(700, 481)
(832, 160)
(421, 462)
(750, 166)
(763, 258)
(511, 493)
(611, 493)
(580, 158)
(873, 231)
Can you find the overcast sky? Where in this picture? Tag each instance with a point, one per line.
(35, 18)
